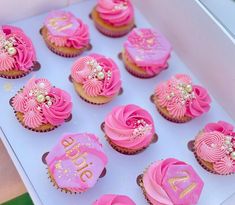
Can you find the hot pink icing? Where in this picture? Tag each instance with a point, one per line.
(166, 182)
(64, 29)
(113, 199)
(77, 161)
(148, 49)
(23, 55)
(115, 12)
(41, 103)
(98, 74)
(216, 144)
(129, 126)
(181, 98)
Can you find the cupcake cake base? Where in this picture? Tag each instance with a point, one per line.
(108, 29)
(63, 51)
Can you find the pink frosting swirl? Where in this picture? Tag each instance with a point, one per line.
(148, 49)
(64, 29)
(113, 199)
(60, 109)
(129, 126)
(77, 161)
(41, 103)
(19, 53)
(115, 12)
(216, 144)
(98, 74)
(181, 98)
(165, 182)
(209, 146)
(220, 126)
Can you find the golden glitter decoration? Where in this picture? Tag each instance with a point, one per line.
(7, 87)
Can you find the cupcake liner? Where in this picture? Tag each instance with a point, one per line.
(52, 180)
(140, 183)
(164, 112)
(110, 33)
(205, 165)
(61, 53)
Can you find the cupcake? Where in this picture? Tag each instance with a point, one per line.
(76, 162)
(214, 148)
(114, 18)
(129, 129)
(41, 107)
(96, 78)
(145, 53)
(17, 54)
(171, 182)
(178, 100)
(65, 35)
(113, 199)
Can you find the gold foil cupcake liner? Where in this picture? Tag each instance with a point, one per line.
(124, 150)
(164, 112)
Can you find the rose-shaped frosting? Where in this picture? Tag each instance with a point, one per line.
(216, 144)
(98, 74)
(113, 199)
(16, 50)
(170, 182)
(147, 49)
(41, 103)
(76, 162)
(181, 98)
(115, 12)
(129, 126)
(64, 29)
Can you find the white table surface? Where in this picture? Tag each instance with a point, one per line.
(122, 170)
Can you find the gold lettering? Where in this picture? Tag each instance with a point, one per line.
(65, 27)
(53, 22)
(67, 142)
(174, 180)
(190, 188)
(72, 150)
(87, 173)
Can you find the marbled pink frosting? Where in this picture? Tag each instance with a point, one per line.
(129, 126)
(77, 161)
(98, 74)
(181, 98)
(216, 144)
(23, 55)
(171, 182)
(113, 199)
(41, 103)
(115, 12)
(148, 49)
(64, 29)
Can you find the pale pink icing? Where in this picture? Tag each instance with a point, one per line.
(24, 56)
(181, 98)
(64, 29)
(115, 12)
(77, 161)
(129, 126)
(86, 71)
(41, 103)
(113, 199)
(216, 144)
(166, 180)
(148, 49)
